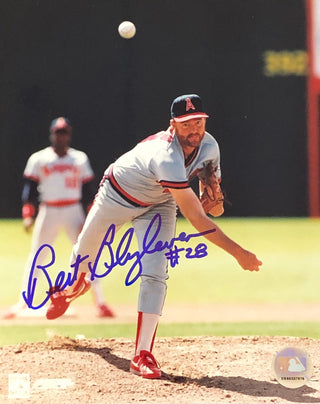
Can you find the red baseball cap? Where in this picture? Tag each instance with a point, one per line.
(60, 123)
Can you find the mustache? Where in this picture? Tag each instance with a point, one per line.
(194, 133)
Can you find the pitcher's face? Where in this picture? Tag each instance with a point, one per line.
(190, 133)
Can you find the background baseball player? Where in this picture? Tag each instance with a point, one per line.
(61, 179)
(151, 179)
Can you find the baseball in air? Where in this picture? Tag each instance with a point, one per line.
(127, 29)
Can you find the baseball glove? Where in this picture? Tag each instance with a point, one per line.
(211, 197)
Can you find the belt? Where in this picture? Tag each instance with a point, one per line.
(61, 203)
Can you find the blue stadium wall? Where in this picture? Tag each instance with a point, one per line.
(246, 59)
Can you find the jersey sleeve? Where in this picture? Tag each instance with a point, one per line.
(211, 153)
(169, 171)
(216, 162)
(32, 169)
(87, 173)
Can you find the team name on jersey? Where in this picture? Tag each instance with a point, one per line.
(59, 168)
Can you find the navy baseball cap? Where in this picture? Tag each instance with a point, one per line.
(60, 123)
(187, 107)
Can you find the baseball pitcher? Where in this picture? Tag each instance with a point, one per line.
(152, 179)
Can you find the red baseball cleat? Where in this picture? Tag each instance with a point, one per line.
(60, 301)
(104, 311)
(145, 365)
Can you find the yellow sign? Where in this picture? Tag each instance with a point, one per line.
(285, 63)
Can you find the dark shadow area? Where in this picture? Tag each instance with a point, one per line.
(116, 92)
(239, 384)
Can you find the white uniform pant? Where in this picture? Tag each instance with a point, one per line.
(109, 208)
(49, 222)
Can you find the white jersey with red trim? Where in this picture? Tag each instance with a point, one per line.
(60, 179)
(143, 175)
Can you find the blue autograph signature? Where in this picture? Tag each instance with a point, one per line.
(113, 257)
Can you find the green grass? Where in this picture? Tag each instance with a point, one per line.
(12, 335)
(288, 247)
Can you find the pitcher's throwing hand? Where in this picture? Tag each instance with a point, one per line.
(249, 261)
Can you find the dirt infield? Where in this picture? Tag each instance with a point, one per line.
(195, 370)
(181, 313)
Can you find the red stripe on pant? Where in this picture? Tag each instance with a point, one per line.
(139, 323)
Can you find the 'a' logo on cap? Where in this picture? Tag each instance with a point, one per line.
(189, 104)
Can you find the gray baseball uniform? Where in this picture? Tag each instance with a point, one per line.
(135, 188)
